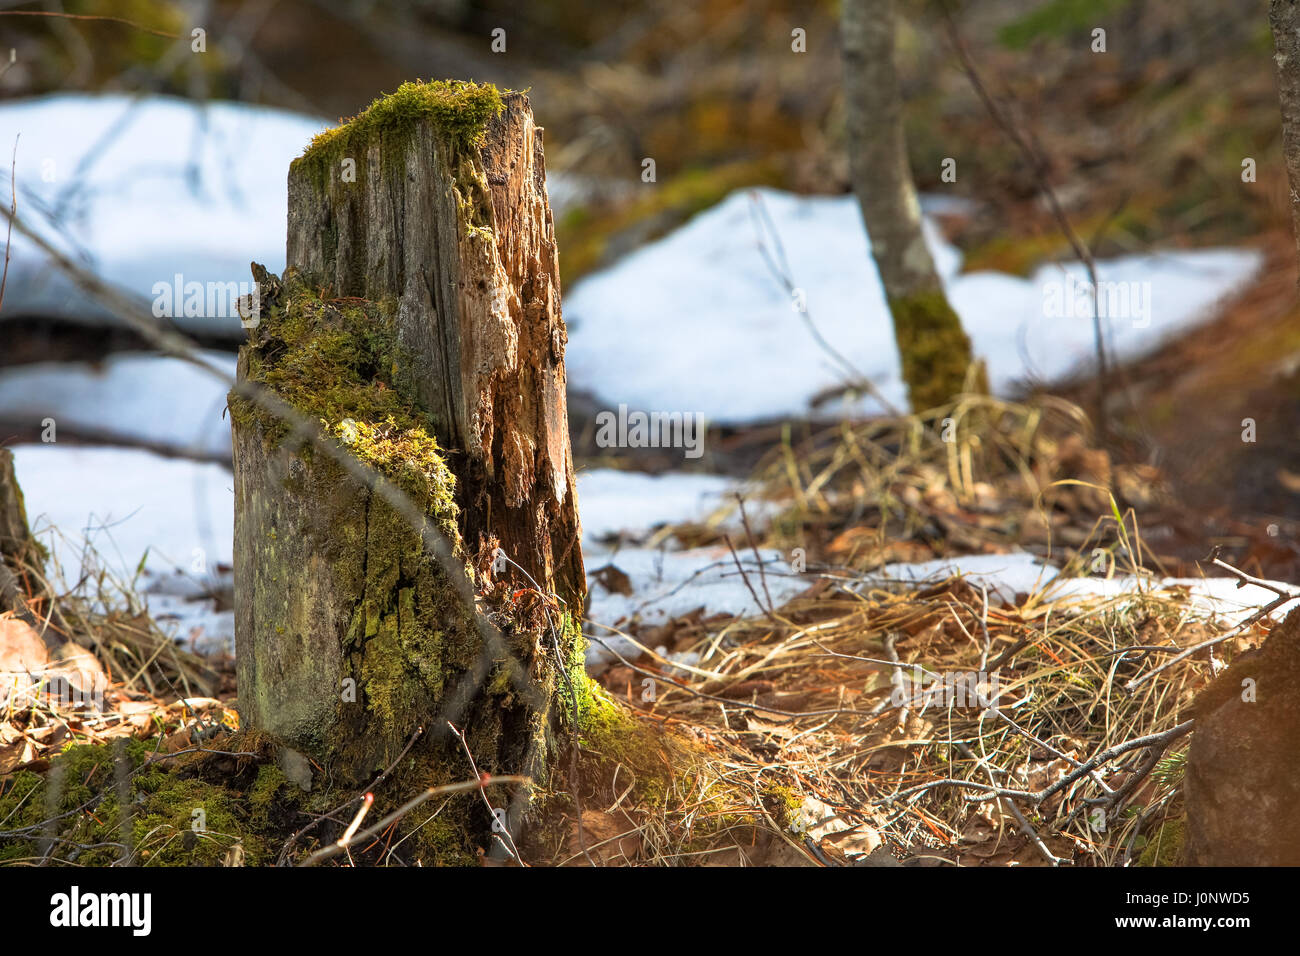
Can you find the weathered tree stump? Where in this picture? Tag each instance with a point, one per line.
(419, 323)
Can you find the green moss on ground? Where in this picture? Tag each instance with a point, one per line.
(250, 803)
(185, 811)
(244, 801)
(1165, 847)
(611, 735)
(1057, 18)
(784, 804)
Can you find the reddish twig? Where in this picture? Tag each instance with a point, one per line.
(288, 845)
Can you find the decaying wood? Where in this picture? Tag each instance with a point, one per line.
(458, 242)
(479, 310)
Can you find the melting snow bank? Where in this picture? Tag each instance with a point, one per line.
(1006, 575)
(153, 400)
(654, 585)
(116, 509)
(175, 518)
(696, 322)
(123, 503)
(661, 585)
(143, 188)
(630, 505)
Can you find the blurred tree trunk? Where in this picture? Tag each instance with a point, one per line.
(1284, 19)
(935, 352)
(448, 245)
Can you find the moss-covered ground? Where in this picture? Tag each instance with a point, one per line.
(186, 810)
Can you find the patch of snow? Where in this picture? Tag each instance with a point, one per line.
(154, 399)
(696, 322)
(144, 187)
(667, 584)
(127, 504)
(633, 503)
(1218, 598)
(940, 204)
(1006, 574)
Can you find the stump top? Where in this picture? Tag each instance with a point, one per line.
(459, 109)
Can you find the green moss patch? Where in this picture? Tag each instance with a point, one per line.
(1058, 18)
(934, 349)
(184, 811)
(1165, 847)
(612, 735)
(459, 110)
(338, 362)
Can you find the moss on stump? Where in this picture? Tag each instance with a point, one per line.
(360, 633)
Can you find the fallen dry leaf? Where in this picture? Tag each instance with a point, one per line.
(59, 675)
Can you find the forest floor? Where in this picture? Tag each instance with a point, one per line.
(828, 729)
(835, 700)
(817, 733)
(817, 730)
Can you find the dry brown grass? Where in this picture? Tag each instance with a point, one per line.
(796, 703)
